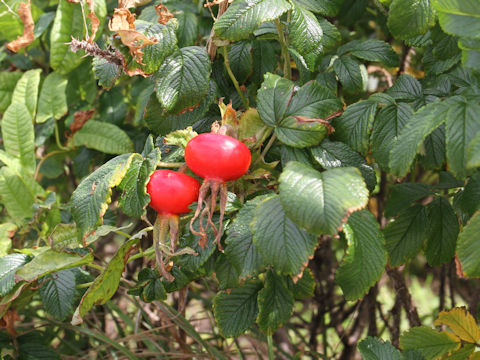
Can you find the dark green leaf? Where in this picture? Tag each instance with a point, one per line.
(241, 61)
(371, 50)
(237, 310)
(304, 287)
(9, 264)
(434, 146)
(473, 152)
(406, 87)
(375, 349)
(469, 200)
(324, 7)
(275, 304)
(406, 234)
(320, 202)
(105, 72)
(442, 232)
(281, 243)
(365, 258)
(351, 74)
(58, 293)
(408, 18)
(429, 342)
(37, 351)
(226, 273)
(402, 196)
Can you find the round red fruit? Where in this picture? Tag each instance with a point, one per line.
(171, 192)
(217, 157)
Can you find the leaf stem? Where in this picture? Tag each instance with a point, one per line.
(170, 164)
(267, 147)
(233, 78)
(271, 355)
(40, 163)
(85, 285)
(287, 70)
(97, 267)
(57, 138)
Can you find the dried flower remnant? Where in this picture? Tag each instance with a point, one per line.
(27, 37)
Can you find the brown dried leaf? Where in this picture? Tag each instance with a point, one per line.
(164, 15)
(79, 119)
(93, 18)
(131, 3)
(8, 322)
(28, 25)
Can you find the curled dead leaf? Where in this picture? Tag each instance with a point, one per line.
(164, 15)
(131, 3)
(93, 18)
(8, 322)
(28, 25)
(79, 119)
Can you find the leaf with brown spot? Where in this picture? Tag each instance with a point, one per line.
(27, 37)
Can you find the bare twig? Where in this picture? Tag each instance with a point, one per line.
(404, 295)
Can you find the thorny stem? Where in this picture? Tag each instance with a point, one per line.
(287, 70)
(233, 78)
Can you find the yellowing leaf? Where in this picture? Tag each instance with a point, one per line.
(461, 322)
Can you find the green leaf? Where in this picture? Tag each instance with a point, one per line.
(375, 349)
(405, 235)
(155, 54)
(64, 236)
(105, 72)
(275, 304)
(420, 125)
(406, 87)
(226, 273)
(8, 266)
(331, 36)
(355, 125)
(68, 23)
(473, 152)
(240, 248)
(91, 198)
(408, 18)
(183, 79)
(18, 136)
(153, 289)
(296, 116)
(388, 123)
(334, 154)
(459, 18)
(461, 126)
(434, 148)
(58, 293)
(442, 232)
(468, 245)
(281, 243)
(26, 90)
(134, 197)
(43, 23)
(37, 351)
(237, 310)
(50, 261)
(402, 196)
(305, 34)
(16, 195)
(8, 80)
(304, 287)
(187, 29)
(365, 258)
(106, 284)
(53, 98)
(469, 199)
(244, 16)
(7, 230)
(324, 7)
(320, 202)
(429, 342)
(371, 50)
(104, 137)
(241, 61)
(352, 75)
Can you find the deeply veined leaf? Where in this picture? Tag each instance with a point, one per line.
(58, 293)
(324, 7)
(468, 245)
(64, 236)
(134, 197)
(333, 154)
(240, 249)
(429, 342)
(461, 126)
(52, 102)
(371, 50)
(7, 230)
(244, 16)
(9, 264)
(241, 61)
(26, 90)
(50, 261)
(305, 34)
(104, 137)
(68, 23)
(352, 75)
(387, 125)
(105, 72)
(281, 243)
(106, 284)
(420, 125)
(91, 198)
(355, 125)
(182, 80)
(402, 196)
(237, 310)
(459, 17)
(469, 199)
(442, 232)
(375, 349)
(304, 287)
(408, 18)
(365, 258)
(226, 273)
(16, 195)
(405, 235)
(18, 136)
(320, 202)
(275, 304)
(296, 116)
(8, 80)
(461, 322)
(406, 87)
